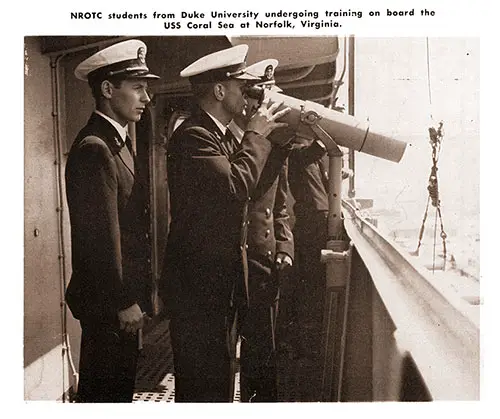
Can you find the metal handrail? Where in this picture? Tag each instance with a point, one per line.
(438, 328)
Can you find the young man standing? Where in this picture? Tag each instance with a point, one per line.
(108, 229)
(210, 182)
(270, 253)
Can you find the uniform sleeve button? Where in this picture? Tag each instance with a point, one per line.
(268, 232)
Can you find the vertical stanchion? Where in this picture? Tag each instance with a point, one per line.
(337, 258)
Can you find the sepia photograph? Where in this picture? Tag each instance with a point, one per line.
(251, 219)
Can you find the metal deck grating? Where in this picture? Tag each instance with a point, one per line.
(155, 380)
(299, 376)
(165, 392)
(155, 370)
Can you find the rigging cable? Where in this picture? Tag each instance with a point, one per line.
(436, 140)
(337, 83)
(59, 155)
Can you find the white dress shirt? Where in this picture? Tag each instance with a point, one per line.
(121, 130)
(219, 124)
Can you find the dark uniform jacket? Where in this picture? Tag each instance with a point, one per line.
(208, 194)
(269, 230)
(109, 225)
(308, 179)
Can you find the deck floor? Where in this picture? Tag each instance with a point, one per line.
(299, 368)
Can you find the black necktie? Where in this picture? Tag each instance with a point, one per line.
(128, 143)
(230, 144)
(128, 154)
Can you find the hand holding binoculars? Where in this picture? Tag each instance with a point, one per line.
(264, 120)
(312, 120)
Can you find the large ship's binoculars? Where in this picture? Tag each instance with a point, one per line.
(256, 92)
(312, 120)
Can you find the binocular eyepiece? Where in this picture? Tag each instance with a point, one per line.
(255, 92)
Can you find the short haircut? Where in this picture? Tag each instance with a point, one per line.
(202, 90)
(95, 86)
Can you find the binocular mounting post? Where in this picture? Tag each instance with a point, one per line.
(337, 257)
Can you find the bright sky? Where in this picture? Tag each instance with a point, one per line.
(392, 88)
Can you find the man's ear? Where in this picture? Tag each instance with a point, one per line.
(219, 91)
(106, 89)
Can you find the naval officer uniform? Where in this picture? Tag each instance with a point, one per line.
(205, 271)
(108, 234)
(270, 251)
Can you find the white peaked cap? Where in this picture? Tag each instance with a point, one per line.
(127, 58)
(222, 65)
(259, 68)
